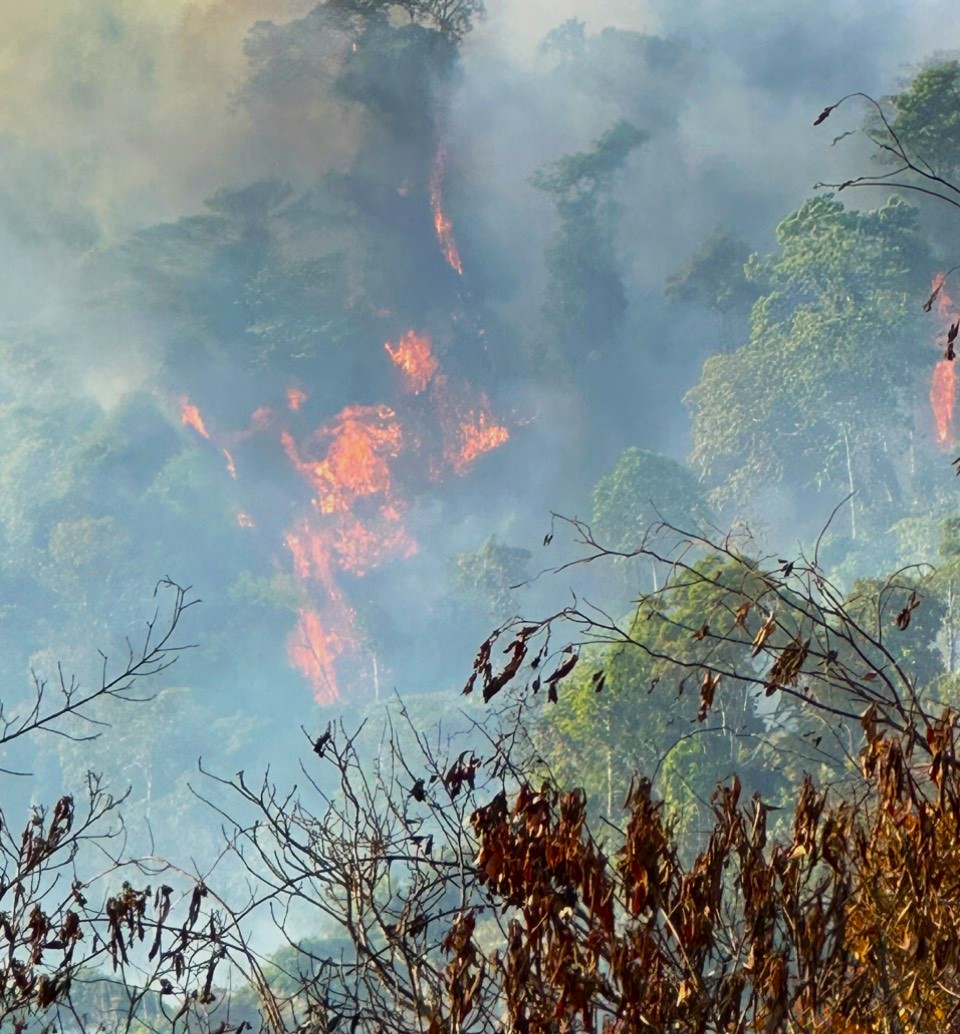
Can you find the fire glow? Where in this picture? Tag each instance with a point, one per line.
(441, 223)
(942, 382)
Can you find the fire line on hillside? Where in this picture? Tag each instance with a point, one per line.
(355, 521)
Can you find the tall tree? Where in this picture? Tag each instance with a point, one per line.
(823, 395)
(586, 300)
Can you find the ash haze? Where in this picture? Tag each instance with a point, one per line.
(215, 215)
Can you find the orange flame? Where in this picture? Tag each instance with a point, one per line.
(478, 434)
(190, 416)
(412, 354)
(441, 223)
(363, 440)
(942, 386)
(942, 398)
(356, 521)
(314, 651)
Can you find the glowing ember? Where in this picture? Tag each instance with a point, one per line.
(941, 399)
(416, 361)
(441, 223)
(244, 520)
(190, 416)
(295, 398)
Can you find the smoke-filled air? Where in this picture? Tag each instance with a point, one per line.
(479, 533)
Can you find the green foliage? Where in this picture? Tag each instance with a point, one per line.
(486, 578)
(584, 173)
(645, 488)
(586, 300)
(715, 278)
(642, 717)
(926, 118)
(823, 394)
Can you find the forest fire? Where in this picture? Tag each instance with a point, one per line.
(413, 356)
(356, 520)
(441, 223)
(942, 382)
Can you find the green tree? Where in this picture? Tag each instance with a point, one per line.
(823, 395)
(628, 708)
(643, 489)
(926, 119)
(715, 279)
(486, 578)
(586, 300)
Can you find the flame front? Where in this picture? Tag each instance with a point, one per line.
(415, 359)
(314, 651)
(441, 223)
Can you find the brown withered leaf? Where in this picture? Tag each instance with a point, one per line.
(708, 687)
(563, 670)
(701, 633)
(740, 615)
(763, 634)
(786, 668)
